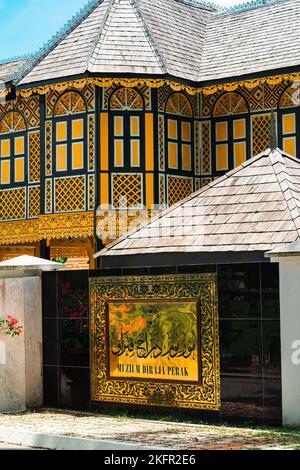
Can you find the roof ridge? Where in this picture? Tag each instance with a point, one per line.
(290, 185)
(61, 34)
(13, 59)
(102, 32)
(247, 6)
(158, 54)
(98, 36)
(185, 200)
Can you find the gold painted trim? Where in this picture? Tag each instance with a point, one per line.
(204, 395)
(157, 83)
(75, 225)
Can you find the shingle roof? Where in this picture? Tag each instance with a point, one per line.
(185, 39)
(8, 69)
(255, 207)
(257, 40)
(130, 36)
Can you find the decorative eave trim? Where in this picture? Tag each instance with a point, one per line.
(157, 83)
(75, 225)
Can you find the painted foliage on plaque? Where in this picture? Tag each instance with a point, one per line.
(155, 340)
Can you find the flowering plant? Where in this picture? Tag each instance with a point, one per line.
(10, 326)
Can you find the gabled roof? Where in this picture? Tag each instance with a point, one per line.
(150, 37)
(255, 207)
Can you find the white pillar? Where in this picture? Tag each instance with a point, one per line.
(289, 275)
(21, 358)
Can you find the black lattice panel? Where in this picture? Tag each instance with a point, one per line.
(91, 192)
(91, 142)
(13, 204)
(127, 190)
(48, 162)
(178, 189)
(260, 133)
(197, 133)
(34, 201)
(161, 142)
(70, 194)
(34, 157)
(48, 196)
(206, 149)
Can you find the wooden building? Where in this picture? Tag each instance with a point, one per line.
(138, 103)
(215, 244)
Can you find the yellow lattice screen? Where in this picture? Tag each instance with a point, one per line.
(230, 103)
(197, 144)
(70, 102)
(70, 194)
(34, 157)
(178, 189)
(48, 148)
(161, 141)
(127, 190)
(91, 192)
(127, 99)
(179, 104)
(260, 133)
(13, 204)
(34, 201)
(206, 149)
(91, 142)
(13, 121)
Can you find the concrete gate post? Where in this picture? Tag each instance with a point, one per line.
(288, 258)
(21, 358)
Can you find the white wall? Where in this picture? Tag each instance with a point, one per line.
(21, 357)
(290, 339)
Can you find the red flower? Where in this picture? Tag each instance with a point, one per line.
(12, 321)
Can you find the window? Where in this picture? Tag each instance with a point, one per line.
(127, 129)
(230, 132)
(70, 134)
(179, 116)
(289, 120)
(13, 144)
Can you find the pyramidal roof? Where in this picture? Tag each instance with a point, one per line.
(255, 207)
(185, 39)
(151, 37)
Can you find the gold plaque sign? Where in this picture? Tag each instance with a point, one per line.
(155, 341)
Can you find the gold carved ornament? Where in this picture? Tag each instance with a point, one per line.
(204, 394)
(157, 83)
(57, 226)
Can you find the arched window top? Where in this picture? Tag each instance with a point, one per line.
(179, 104)
(126, 99)
(70, 102)
(13, 121)
(290, 97)
(229, 104)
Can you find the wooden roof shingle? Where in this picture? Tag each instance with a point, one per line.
(186, 39)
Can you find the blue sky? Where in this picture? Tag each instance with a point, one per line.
(27, 24)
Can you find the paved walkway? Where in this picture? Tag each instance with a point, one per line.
(147, 433)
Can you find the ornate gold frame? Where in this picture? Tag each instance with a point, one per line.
(205, 395)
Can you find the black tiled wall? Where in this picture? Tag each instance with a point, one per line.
(249, 338)
(66, 339)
